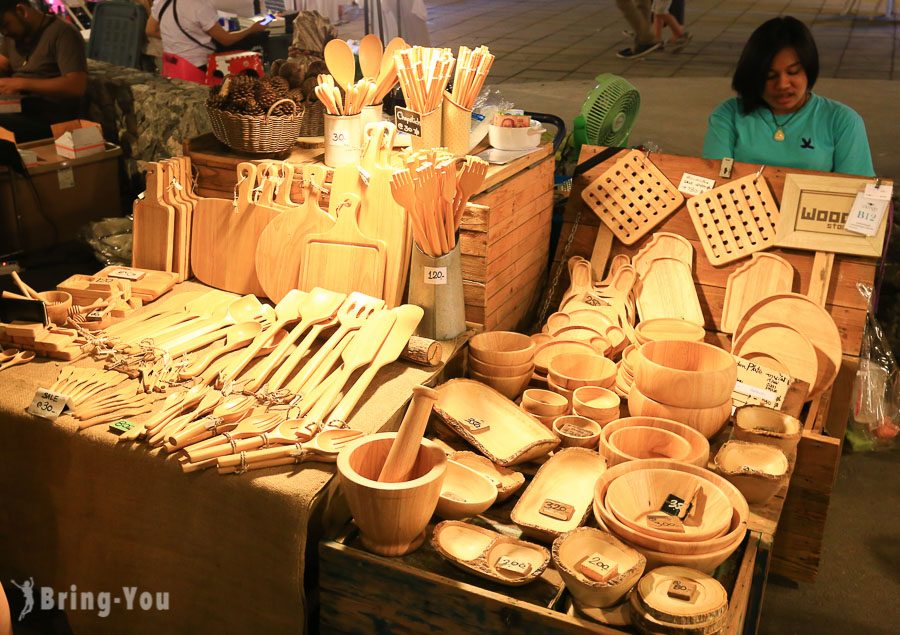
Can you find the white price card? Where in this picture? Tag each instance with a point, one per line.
(126, 274)
(865, 215)
(691, 184)
(66, 177)
(880, 192)
(47, 404)
(435, 275)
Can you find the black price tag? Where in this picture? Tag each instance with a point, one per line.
(408, 121)
(672, 505)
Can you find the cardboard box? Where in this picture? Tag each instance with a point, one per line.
(78, 138)
(10, 103)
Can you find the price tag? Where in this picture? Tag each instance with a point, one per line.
(126, 274)
(96, 314)
(597, 567)
(120, 427)
(574, 431)
(882, 192)
(682, 590)
(339, 138)
(515, 568)
(866, 215)
(47, 404)
(408, 121)
(435, 275)
(672, 505)
(453, 496)
(665, 522)
(557, 510)
(691, 184)
(475, 425)
(66, 177)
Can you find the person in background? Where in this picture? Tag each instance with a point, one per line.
(42, 58)
(776, 119)
(191, 29)
(662, 17)
(637, 14)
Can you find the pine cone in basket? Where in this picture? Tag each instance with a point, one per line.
(278, 84)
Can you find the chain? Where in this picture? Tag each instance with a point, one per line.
(559, 268)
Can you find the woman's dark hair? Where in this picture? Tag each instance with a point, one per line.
(756, 59)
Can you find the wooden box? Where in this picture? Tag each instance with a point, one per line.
(798, 542)
(504, 236)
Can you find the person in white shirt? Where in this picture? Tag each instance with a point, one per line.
(191, 29)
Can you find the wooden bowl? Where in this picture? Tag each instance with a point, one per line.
(576, 432)
(758, 424)
(600, 404)
(685, 374)
(757, 470)
(544, 403)
(546, 421)
(699, 454)
(705, 562)
(499, 370)
(707, 421)
(391, 516)
(560, 391)
(571, 549)
(547, 351)
(509, 387)
(668, 329)
(503, 348)
(506, 481)
(572, 371)
(645, 442)
(57, 304)
(465, 492)
(629, 360)
(633, 496)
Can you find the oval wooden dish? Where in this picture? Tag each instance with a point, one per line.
(505, 480)
(545, 353)
(707, 421)
(504, 348)
(489, 555)
(685, 374)
(679, 600)
(757, 470)
(699, 454)
(492, 423)
(465, 492)
(559, 497)
(758, 424)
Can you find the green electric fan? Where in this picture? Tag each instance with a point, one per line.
(610, 111)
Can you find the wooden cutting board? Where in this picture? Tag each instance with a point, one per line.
(279, 256)
(790, 348)
(146, 284)
(632, 197)
(184, 210)
(736, 219)
(663, 245)
(666, 290)
(225, 233)
(763, 276)
(804, 316)
(153, 235)
(343, 259)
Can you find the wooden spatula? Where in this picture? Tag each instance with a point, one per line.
(402, 456)
(154, 226)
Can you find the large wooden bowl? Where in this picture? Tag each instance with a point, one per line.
(758, 424)
(505, 348)
(499, 370)
(465, 492)
(646, 442)
(570, 549)
(707, 421)
(634, 496)
(685, 374)
(705, 562)
(571, 371)
(509, 387)
(699, 454)
(576, 432)
(594, 402)
(757, 470)
(544, 403)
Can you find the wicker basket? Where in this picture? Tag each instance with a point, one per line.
(257, 134)
(313, 119)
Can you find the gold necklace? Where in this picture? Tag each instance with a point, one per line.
(779, 127)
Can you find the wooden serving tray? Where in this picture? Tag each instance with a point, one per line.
(667, 290)
(148, 287)
(736, 219)
(763, 276)
(632, 197)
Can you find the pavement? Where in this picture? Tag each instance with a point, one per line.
(547, 56)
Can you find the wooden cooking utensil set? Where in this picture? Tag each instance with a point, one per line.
(379, 74)
(357, 95)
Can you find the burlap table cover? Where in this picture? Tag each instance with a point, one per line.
(76, 508)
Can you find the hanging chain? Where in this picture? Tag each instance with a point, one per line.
(559, 268)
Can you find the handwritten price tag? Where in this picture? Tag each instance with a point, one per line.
(339, 138)
(557, 510)
(682, 590)
(408, 121)
(672, 505)
(126, 274)
(665, 522)
(120, 427)
(435, 275)
(597, 567)
(513, 567)
(475, 425)
(47, 404)
(691, 184)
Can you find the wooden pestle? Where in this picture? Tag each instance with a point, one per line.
(405, 449)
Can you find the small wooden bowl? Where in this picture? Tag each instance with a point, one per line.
(628, 358)
(57, 304)
(571, 549)
(757, 470)
(503, 348)
(499, 370)
(465, 492)
(571, 371)
(506, 480)
(509, 387)
(685, 374)
(560, 391)
(645, 442)
(576, 432)
(546, 421)
(707, 421)
(544, 403)
(699, 454)
(600, 404)
(546, 352)
(668, 329)
(758, 424)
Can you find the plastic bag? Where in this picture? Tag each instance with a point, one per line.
(874, 413)
(110, 240)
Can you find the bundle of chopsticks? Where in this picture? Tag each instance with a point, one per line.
(424, 74)
(351, 102)
(471, 70)
(434, 195)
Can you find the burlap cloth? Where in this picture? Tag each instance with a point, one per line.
(76, 508)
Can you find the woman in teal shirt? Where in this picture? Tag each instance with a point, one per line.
(776, 119)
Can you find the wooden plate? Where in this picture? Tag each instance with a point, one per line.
(765, 275)
(789, 348)
(667, 290)
(545, 352)
(663, 245)
(806, 317)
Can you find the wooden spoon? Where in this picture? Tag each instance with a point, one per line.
(241, 310)
(250, 427)
(370, 51)
(22, 357)
(210, 400)
(235, 337)
(340, 62)
(231, 410)
(323, 447)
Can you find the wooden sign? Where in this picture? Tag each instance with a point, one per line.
(408, 121)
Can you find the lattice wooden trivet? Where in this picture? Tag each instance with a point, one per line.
(632, 197)
(736, 219)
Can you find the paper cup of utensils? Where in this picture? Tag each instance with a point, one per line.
(435, 284)
(455, 126)
(343, 139)
(429, 130)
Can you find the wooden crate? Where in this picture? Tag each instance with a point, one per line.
(504, 237)
(798, 542)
